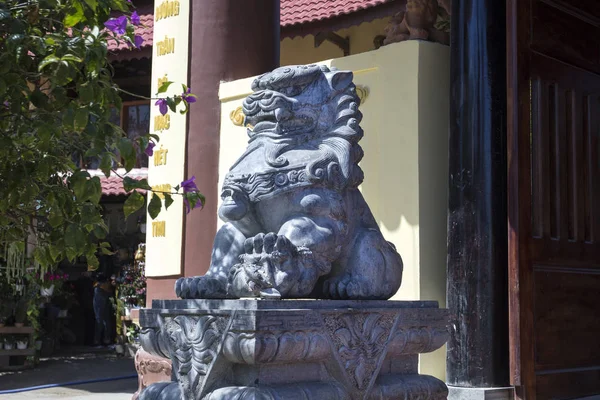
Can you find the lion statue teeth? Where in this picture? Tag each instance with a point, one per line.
(296, 225)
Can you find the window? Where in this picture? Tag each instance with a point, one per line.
(134, 119)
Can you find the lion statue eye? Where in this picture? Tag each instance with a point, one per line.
(292, 91)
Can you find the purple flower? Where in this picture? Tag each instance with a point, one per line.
(189, 185)
(138, 41)
(187, 205)
(135, 18)
(150, 149)
(163, 107)
(117, 25)
(187, 96)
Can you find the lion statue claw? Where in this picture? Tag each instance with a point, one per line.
(296, 225)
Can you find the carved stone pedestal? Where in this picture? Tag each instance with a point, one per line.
(294, 349)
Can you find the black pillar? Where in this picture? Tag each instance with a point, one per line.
(477, 215)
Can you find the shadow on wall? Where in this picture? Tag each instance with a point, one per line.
(405, 119)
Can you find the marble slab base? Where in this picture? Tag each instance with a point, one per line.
(294, 349)
(462, 393)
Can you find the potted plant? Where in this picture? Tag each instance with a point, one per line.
(22, 344)
(21, 312)
(64, 300)
(7, 300)
(9, 342)
(6, 310)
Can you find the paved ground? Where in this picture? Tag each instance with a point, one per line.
(74, 365)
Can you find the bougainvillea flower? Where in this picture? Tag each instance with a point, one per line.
(187, 96)
(135, 18)
(189, 185)
(150, 149)
(138, 41)
(163, 107)
(187, 205)
(117, 25)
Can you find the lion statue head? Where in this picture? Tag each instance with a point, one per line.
(303, 128)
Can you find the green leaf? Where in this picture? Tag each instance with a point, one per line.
(51, 59)
(130, 184)
(2, 87)
(93, 190)
(90, 215)
(168, 200)
(68, 119)
(55, 252)
(71, 254)
(99, 232)
(71, 57)
(164, 87)
(92, 260)
(106, 164)
(127, 152)
(79, 187)
(195, 198)
(93, 4)
(105, 249)
(64, 73)
(134, 202)
(75, 238)
(86, 93)
(55, 218)
(107, 252)
(74, 15)
(154, 206)
(5, 63)
(81, 119)
(40, 256)
(38, 98)
(119, 5)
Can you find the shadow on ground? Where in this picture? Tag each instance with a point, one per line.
(73, 364)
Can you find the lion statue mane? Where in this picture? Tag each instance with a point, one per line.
(296, 225)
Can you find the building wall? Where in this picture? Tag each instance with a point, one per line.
(405, 119)
(301, 50)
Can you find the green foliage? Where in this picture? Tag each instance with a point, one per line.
(56, 97)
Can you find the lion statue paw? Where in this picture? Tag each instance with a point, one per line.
(272, 267)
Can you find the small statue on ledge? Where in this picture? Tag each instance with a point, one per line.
(296, 224)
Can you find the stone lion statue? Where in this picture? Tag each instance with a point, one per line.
(296, 224)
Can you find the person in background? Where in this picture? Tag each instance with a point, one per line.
(102, 311)
(118, 325)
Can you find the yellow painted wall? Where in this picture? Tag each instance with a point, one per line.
(301, 50)
(405, 119)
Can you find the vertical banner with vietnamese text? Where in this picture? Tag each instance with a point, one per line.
(166, 168)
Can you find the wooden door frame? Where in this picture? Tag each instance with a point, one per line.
(521, 346)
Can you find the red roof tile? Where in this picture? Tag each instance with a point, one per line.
(293, 12)
(113, 185)
(303, 11)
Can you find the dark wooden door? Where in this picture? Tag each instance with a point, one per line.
(554, 197)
